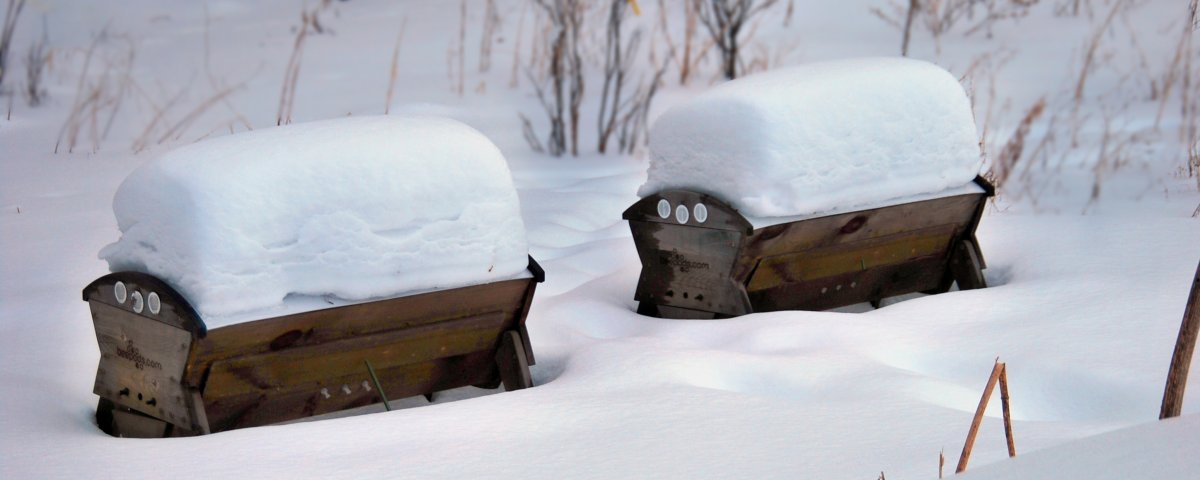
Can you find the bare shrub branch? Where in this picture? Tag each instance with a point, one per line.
(491, 22)
(11, 14)
(1006, 161)
(35, 66)
(387, 105)
(939, 17)
(564, 72)
(724, 20)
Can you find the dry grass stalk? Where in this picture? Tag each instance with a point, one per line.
(392, 72)
(687, 58)
(1180, 72)
(491, 22)
(11, 14)
(1194, 159)
(914, 6)
(1093, 45)
(216, 84)
(1113, 151)
(173, 132)
(1006, 161)
(98, 95)
(459, 76)
(687, 63)
(529, 134)
(635, 122)
(1073, 8)
(291, 74)
(513, 81)
(35, 66)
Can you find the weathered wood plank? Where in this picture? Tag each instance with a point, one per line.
(853, 227)
(814, 264)
(689, 267)
(850, 288)
(307, 367)
(141, 363)
(322, 326)
(354, 390)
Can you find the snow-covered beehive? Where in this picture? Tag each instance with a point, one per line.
(809, 188)
(819, 137)
(407, 228)
(356, 208)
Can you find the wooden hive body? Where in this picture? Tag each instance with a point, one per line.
(724, 267)
(163, 373)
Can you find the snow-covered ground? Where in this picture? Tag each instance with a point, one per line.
(1083, 308)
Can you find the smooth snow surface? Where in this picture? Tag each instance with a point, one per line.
(826, 135)
(356, 208)
(1163, 450)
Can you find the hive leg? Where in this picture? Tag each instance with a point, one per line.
(966, 266)
(649, 309)
(512, 362)
(104, 415)
(119, 421)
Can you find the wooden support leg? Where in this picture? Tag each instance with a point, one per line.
(876, 303)
(966, 266)
(429, 397)
(132, 424)
(648, 309)
(104, 416)
(511, 361)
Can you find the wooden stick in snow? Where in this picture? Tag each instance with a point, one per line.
(1181, 359)
(998, 376)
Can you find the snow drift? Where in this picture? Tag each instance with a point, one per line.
(355, 207)
(818, 137)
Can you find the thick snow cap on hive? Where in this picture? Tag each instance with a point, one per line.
(355, 208)
(819, 137)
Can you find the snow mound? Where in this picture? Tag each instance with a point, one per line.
(355, 208)
(818, 137)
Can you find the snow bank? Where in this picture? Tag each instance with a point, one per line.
(821, 136)
(355, 207)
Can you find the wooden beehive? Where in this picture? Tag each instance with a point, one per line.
(162, 373)
(702, 259)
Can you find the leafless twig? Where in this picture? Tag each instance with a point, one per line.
(724, 20)
(11, 14)
(387, 105)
